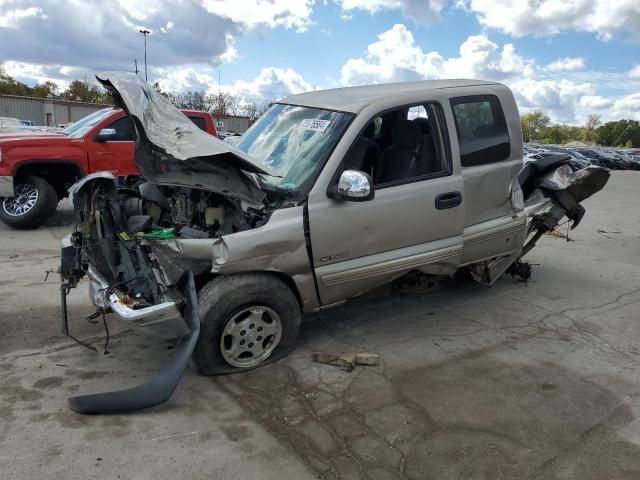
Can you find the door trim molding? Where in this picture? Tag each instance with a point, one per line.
(491, 233)
(391, 266)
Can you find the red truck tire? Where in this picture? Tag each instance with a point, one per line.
(34, 202)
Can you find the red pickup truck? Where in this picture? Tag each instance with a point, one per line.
(36, 170)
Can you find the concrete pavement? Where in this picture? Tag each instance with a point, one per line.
(536, 380)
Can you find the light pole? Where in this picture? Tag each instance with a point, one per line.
(144, 33)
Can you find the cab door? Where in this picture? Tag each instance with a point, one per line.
(115, 153)
(490, 152)
(412, 223)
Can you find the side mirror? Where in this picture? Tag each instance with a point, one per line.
(353, 186)
(106, 134)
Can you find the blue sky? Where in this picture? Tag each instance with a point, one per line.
(570, 58)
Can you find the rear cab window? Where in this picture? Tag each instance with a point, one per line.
(199, 122)
(482, 131)
(124, 129)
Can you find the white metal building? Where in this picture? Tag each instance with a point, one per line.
(44, 111)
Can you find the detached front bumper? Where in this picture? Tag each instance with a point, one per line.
(163, 319)
(6, 186)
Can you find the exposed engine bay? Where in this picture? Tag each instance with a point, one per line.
(117, 219)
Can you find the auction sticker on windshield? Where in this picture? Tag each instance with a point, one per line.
(314, 124)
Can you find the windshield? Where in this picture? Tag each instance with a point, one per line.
(294, 142)
(85, 124)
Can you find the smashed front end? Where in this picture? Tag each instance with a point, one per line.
(124, 229)
(129, 232)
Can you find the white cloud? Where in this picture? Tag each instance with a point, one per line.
(11, 17)
(37, 73)
(557, 98)
(396, 57)
(605, 18)
(195, 78)
(565, 94)
(627, 106)
(270, 84)
(265, 13)
(595, 102)
(416, 10)
(102, 35)
(566, 64)
(635, 72)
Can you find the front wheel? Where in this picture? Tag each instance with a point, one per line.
(247, 320)
(34, 201)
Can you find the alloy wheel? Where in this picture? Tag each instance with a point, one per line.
(23, 201)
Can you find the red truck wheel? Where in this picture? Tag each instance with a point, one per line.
(35, 200)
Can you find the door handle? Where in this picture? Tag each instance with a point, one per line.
(448, 200)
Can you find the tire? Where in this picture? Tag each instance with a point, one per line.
(25, 216)
(242, 304)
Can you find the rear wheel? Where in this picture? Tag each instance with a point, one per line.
(247, 320)
(34, 201)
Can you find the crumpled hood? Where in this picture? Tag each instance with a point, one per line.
(171, 150)
(37, 139)
(4, 135)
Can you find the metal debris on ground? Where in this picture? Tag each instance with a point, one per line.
(606, 233)
(347, 361)
(520, 269)
(557, 234)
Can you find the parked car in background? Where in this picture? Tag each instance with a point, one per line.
(328, 195)
(612, 158)
(222, 134)
(36, 170)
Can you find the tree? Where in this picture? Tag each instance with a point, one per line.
(532, 124)
(10, 86)
(45, 89)
(589, 131)
(619, 133)
(223, 103)
(83, 91)
(250, 110)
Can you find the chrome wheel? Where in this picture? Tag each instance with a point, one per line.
(250, 336)
(24, 199)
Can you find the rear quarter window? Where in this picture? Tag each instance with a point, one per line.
(199, 122)
(481, 128)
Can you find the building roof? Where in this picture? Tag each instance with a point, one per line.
(354, 99)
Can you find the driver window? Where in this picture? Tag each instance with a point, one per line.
(124, 130)
(400, 145)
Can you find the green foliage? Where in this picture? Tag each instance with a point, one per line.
(536, 128)
(78, 90)
(560, 133)
(45, 89)
(9, 86)
(83, 91)
(619, 133)
(589, 131)
(532, 125)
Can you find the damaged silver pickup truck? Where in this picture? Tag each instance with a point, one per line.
(327, 196)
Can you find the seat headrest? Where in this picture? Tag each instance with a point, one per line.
(405, 133)
(369, 131)
(424, 124)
